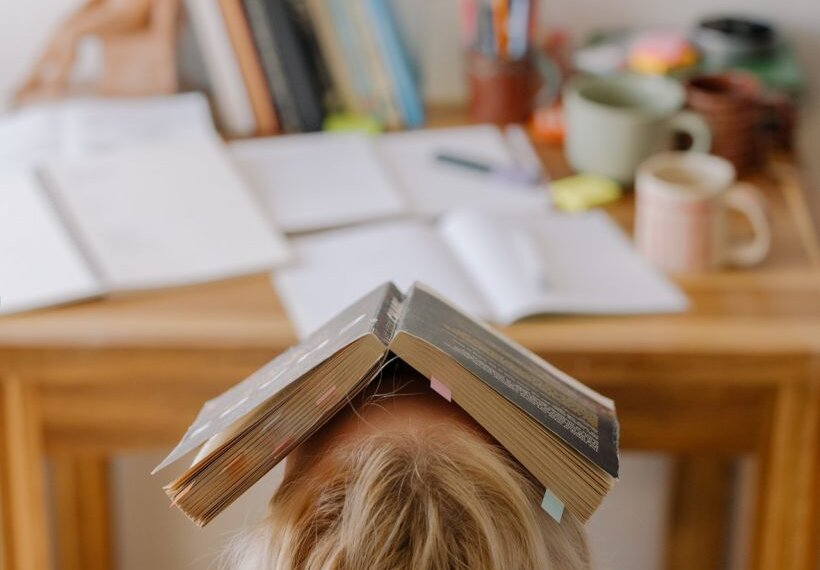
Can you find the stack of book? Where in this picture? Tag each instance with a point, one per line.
(284, 65)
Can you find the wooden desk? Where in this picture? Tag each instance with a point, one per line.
(738, 374)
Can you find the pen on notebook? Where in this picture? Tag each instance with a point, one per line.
(521, 147)
(518, 28)
(513, 174)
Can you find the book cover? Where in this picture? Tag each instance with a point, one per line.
(376, 313)
(581, 417)
(562, 431)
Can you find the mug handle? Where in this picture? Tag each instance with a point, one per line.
(748, 200)
(696, 127)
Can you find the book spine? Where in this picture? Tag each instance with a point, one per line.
(397, 62)
(272, 65)
(260, 97)
(296, 65)
(317, 64)
(332, 52)
(232, 101)
(353, 56)
(376, 66)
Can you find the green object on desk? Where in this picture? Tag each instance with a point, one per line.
(584, 191)
(779, 71)
(346, 122)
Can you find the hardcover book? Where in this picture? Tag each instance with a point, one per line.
(563, 433)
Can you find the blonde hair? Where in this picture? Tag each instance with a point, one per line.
(418, 500)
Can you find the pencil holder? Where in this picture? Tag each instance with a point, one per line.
(503, 90)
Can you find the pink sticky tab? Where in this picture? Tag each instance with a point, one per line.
(441, 389)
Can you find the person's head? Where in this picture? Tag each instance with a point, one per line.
(404, 480)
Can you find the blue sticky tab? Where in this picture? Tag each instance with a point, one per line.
(552, 505)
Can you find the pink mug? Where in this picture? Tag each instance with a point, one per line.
(681, 205)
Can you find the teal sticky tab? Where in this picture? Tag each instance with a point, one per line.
(552, 505)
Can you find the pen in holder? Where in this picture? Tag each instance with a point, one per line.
(506, 90)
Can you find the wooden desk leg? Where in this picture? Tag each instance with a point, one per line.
(81, 493)
(787, 508)
(22, 488)
(698, 527)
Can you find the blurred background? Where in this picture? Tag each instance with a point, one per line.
(629, 531)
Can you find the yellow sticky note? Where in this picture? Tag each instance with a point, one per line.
(346, 122)
(583, 191)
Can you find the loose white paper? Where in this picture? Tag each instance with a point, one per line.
(318, 181)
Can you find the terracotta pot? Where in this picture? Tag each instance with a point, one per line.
(501, 90)
(731, 103)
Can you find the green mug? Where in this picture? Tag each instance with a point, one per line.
(613, 123)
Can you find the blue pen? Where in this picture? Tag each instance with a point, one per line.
(518, 27)
(514, 174)
(486, 35)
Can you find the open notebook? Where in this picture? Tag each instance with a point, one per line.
(503, 268)
(318, 181)
(145, 216)
(77, 127)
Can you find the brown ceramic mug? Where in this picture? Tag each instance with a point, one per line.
(731, 103)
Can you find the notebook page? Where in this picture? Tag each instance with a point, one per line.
(434, 188)
(502, 259)
(92, 125)
(334, 268)
(583, 264)
(167, 214)
(318, 181)
(29, 136)
(39, 262)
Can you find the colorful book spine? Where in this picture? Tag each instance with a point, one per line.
(299, 69)
(353, 56)
(332, 51)
(397, 62)
(250, 66)
(388, 107)
(231, 99)
(272, 65)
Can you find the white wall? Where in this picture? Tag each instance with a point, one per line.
(627, 531)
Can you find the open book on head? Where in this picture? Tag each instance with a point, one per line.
(317, 181)
(502, 268)
(139, 217)
(563, 433)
